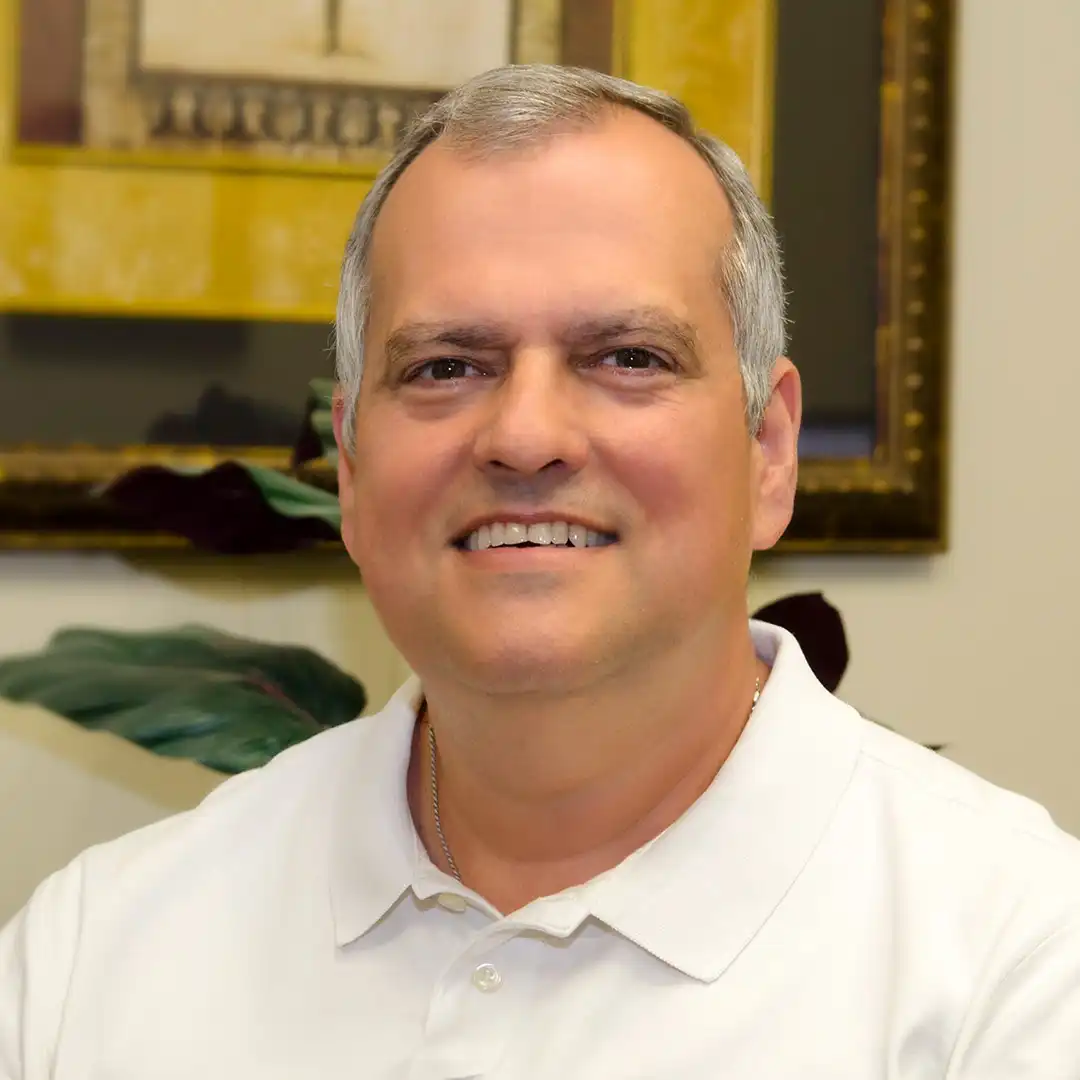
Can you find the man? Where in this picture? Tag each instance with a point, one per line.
(612, 829)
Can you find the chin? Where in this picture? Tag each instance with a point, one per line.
(519, 666)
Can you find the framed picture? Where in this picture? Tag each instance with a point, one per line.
(204, 160)
(860, 176)
(169, 296)
(273, 84)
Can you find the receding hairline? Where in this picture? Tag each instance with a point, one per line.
(474, 145)
(468, 140)
(477, 150)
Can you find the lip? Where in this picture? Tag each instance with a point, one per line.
(529, 518)
(530, 560)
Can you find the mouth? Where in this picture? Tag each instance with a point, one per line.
(543, 534)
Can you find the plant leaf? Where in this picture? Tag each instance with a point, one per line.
(230, 508)
(226, 701)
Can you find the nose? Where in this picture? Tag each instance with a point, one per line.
(533, 422)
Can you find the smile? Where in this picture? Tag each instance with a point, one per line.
(554, 534)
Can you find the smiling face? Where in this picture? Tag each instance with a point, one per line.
(548, 357)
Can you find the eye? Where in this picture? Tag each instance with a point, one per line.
(444, 369)
(633, 358)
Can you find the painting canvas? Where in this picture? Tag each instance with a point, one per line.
(410, 44)
(271, 82)
(233, 273)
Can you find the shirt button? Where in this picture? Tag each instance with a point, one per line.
(486, 979)
(452, 902)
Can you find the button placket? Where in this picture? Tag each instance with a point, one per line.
(486, 978)
(475, 1007)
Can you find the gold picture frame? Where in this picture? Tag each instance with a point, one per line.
(86, 233)
(893, 497)
(254, 85)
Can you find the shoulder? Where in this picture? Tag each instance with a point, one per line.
(942, 834)
(249, 812)
(975, 887)
(933, 784)
(964, 843)
(233, 835)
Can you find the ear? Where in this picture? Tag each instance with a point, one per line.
(776, 457)
(346, 471)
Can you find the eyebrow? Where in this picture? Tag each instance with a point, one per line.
(651, 322)
(578, 332)
(411, 337)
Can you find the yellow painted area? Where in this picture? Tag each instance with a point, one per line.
(151, 240)
(86, 233)
(718, 57)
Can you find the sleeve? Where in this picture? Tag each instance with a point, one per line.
(37, 954)
(1028, 1028)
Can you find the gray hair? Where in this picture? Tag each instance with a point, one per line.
(519, 105)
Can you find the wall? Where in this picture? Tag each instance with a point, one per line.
(974, 649)
(62, 789)
(977, 649)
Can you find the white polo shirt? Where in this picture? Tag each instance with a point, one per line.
(839, 904)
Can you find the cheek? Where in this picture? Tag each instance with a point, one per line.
(399, 475)
(689, 481)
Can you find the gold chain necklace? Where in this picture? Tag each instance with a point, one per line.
(433, 757)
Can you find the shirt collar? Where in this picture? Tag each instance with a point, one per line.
(698, 894)
(373, 841)
(694, 897)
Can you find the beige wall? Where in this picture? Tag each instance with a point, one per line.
(975, 649)
(62, 789)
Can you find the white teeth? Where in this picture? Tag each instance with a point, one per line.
(540, 534)
(515, 533)
(546, 533)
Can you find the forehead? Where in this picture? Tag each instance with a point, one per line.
(620, 212)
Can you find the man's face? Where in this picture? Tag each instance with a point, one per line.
(547, 344)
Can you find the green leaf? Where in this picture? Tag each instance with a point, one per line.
(225, 701)
(294, 498)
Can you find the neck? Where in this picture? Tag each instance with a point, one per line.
(541, 793)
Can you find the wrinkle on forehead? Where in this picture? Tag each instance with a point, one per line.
(624, 196)
(575, 331)
(618, 147)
